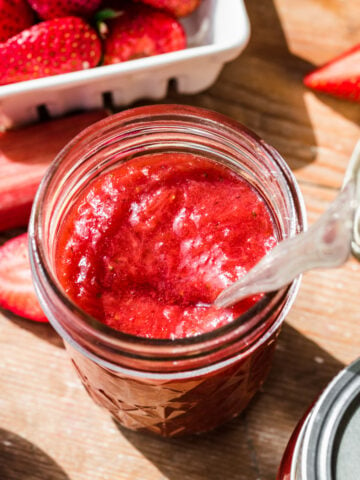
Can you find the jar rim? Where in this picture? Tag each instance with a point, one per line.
(40, 263)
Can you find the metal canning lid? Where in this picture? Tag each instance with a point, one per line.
(331, 444)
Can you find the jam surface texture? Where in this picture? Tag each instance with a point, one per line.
(148, 246)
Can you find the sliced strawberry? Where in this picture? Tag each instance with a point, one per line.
(16, 287)
(340, 77)
(25, 154)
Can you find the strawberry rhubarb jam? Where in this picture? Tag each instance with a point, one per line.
(148, 246)
(138, 225)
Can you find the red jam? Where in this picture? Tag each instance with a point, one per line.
(148, 246)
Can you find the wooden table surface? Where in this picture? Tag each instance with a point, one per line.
(50, 429)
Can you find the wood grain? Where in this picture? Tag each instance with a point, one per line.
(50, 429)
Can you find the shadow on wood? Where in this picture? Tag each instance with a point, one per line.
(347, 109)
(22, 460)
(42, 330)
(263, 88)
(252, 445)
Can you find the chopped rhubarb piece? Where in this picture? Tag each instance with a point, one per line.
(25, 155)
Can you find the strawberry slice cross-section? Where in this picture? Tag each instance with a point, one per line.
(17, 292)
(340, 77)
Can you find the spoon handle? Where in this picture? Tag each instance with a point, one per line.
(353, 173)
(326, 244)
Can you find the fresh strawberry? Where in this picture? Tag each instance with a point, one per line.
(16, 288)
(179, 8)
(49, 9)
(141, 31)
(15, 16)
(49, 48)
(340, 77)
(25, 154)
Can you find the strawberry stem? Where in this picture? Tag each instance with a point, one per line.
(106, 14)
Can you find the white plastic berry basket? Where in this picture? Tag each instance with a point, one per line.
(217, 32)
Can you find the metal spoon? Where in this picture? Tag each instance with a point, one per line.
(326, 244)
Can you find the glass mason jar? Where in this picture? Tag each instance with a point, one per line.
(169, 387)
(325, 444)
